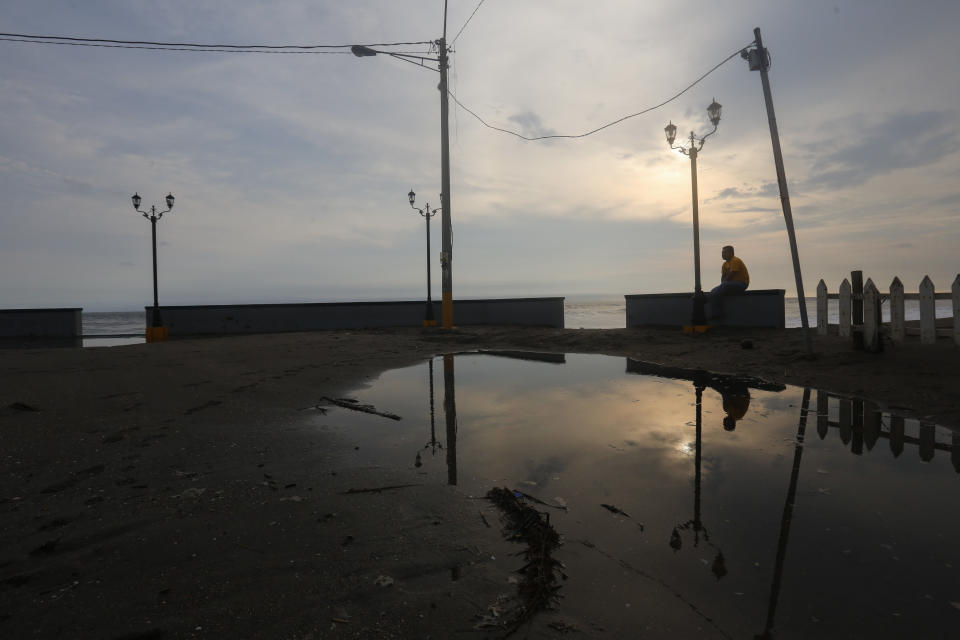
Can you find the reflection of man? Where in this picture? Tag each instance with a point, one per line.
(734, 280)
(735, 396)
(736, 401)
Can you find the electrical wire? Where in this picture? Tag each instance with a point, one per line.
(467, 22)
(609, 124)
(184, 46)
(204, 50)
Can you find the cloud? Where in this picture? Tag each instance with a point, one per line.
(765, 190)
(905, 140)
(531, 125)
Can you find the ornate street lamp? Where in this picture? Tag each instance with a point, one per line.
(698, 317)
(427, 213)
(156, 331)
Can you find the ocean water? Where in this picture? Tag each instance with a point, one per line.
(115, 328)
(611, 313)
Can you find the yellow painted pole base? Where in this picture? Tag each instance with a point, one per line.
(429, 323)
(156, 334)
(446, 310)
(696, 328)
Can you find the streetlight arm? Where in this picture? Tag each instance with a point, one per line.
(704, 138)
(364, 52)
(426, 213)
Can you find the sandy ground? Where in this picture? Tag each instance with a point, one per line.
(173, 490)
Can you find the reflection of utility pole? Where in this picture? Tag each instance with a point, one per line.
(450, 410)
(786, 519)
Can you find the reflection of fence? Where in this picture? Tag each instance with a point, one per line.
(861, 424)
(859, 309)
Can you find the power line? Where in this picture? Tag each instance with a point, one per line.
(184, 46)
(609, 124)
(467, 22)
(203, 50)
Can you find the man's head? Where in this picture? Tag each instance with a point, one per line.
(727, 252)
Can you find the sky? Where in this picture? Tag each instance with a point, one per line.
(291, 171)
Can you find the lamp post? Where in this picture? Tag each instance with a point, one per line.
(156, 331)
(698, 319)
(427, 213)
(446, 249)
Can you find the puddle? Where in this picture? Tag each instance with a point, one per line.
(741, 507)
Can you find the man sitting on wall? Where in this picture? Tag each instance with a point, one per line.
(734, 280)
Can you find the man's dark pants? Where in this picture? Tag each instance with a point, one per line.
(719, 292)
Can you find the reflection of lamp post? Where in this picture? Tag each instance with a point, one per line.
(446, 255)
(719, 566)
(433, 445)
(156, 331)
(698, 319)
(426, 212)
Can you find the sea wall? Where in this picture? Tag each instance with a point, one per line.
(752, 308)
(276, 318)
(41, 323)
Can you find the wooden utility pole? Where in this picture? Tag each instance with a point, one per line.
(762, 63)
(446, 255)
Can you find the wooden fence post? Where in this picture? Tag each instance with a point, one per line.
(955, 290)
(823, 411)
(845, 309)
(871, 317)
(896, 435)
(955, 451)
(856, 304)
(928, 436)
(856, 444)
(928, 312)
(898, 327)
(845, 410)
(822, 308)
(871, 425)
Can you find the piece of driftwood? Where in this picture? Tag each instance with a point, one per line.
(354, 405)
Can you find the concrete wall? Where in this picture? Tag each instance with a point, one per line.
(756, 308)
(40, 323)
(275, 318)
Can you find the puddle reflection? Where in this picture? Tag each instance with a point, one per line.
(788, 535)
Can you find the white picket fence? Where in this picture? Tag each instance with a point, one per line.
(872, 301)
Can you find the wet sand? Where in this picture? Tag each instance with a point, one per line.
(175, 490)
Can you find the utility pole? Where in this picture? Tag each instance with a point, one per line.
(760, 61)
(446, 249)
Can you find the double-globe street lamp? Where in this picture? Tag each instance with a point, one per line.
(156, 330)
(427, 213)
(698, 319)
(446, 249)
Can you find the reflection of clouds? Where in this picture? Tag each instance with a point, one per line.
(592, 437)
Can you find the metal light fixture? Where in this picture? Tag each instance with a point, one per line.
(156, 331)
(427, 213)
(671, 131)
(361, 51)
(713, 111)
(698, 315)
